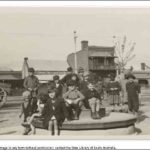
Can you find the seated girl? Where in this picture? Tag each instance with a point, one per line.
(54, 112)
(41, 104)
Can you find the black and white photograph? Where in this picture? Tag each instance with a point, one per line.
(74, 72)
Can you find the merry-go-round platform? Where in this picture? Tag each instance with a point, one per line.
(112, 123)
(112, 120)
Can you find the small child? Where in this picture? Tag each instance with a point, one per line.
(99, 86)
(54, 112)
(113, 90)
(56, 83)
(40, 103)
(73, 99)
(133, 90)
(94, 101)
(26, 106)
(75, 78)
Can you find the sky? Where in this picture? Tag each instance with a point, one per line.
(47, 33)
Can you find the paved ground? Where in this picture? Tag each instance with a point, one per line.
(10, 121)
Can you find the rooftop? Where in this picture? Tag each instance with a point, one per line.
(47, 65)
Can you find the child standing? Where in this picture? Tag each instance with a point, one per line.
(26, 106)
(99, 86)
(54, 112)
(56, 83)
(113, 90)
(94, 101)
(73, 99)
(133, 90)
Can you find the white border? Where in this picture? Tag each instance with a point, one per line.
(103, 4)
(89, 4)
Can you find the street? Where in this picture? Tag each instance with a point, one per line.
(10, 123)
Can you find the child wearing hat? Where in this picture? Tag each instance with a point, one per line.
(56, 83)
(54, 112)
(133, 90)
(31, 83)
(75, 78)
(73, 99)
(83, 85)
(68, 76)
(94, 99)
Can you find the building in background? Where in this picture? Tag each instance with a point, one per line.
(96, 59)
(11, 80)
(44, 69)
(143, 75)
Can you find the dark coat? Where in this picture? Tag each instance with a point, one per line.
(68, 77)
(92, 94)
(133, 89)
(31, 82)
(59, 112)
(59, 89)
(83, 86)
(113, 85)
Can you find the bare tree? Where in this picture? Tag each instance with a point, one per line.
(124, 51)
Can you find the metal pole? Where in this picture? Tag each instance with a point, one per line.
(115, 47)
(75, 55)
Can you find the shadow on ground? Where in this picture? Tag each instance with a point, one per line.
(138, 131)
(6, 133)
(1, 121)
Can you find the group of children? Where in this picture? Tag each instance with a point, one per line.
(66, 97)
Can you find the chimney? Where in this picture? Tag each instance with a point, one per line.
(143, 66)
(26, 58)
(84, 45)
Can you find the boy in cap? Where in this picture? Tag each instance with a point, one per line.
(94, 99)
(31, 83)
(68, 76)
(99, 86)
(83, 85)
(82, 82)
(56, 83)
(114, 89)
(133, 90)
(73, 99)
(75, 78)
(54, 112)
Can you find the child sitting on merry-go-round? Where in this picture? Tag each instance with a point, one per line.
(54, 112)
(74, 100)
(94, 99)
(40, 106)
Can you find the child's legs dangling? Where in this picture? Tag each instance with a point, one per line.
(92, 106)
(50, 127)
(97, 105)
(32, 117)
(56, 128)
